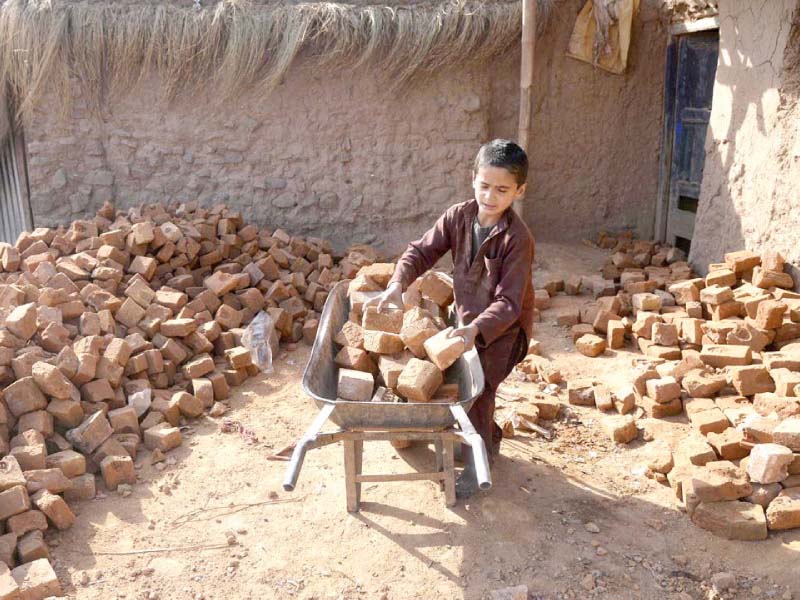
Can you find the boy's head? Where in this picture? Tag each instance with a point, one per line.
(499, 175)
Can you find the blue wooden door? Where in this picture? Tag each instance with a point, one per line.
(692, 64)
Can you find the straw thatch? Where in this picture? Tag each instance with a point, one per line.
(105, 48)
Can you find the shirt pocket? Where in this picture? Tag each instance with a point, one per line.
(492, 272)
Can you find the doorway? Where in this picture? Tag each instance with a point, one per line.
(689, 88)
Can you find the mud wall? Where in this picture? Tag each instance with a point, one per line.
(749, 195)
(336, 155)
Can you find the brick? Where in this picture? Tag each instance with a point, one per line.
(419, 380)
(390, 367)
(572, 285)
(14, 501)
(310, 328)
(162, 437)
(24, 396)
(10, 473)
(750, 380)
(130, 313)
(140, 292)
(415, 333)
(769, 463)
(787, 433)
(198, 367)
(591, 345)
(228, 317)
(83, 488)
(220, 283)
(355, 385)
(436, 287)
(99, 390)
(578, 331)
(54, 508)
(382, 342)
(87, 367)
(769, 314)
(30, 456)
(30, 547)
(733, 520)
(88, 436)
(742, 260)
(568, 317)
(701, 384)
(116, 470)
(766, 279)
(204, 391)
(721, 278)
(178, 327)
(353, 358)
(239, 357)
(143, 265)
(443, 350)
(69, 462)
(190, 406)
(36, 580)
(663, 390)
(624, 400)
(662, 410)
(664, 334)
(38, 420)
(67, 413)
(8, 544)
(784, 511)
(708, 421)
(646, 302)
(602, 320)
(124, 420)
(219, 384)
(718, 481)
(22, 321)
(581, 392)
(389, 321)
(719, 356)
(620, 428)
(786, 381)
(615, 336)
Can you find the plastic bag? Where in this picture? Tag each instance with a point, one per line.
(140, 401)
(261, 339)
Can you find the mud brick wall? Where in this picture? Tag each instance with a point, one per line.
(338, 156)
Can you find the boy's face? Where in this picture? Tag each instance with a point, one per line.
(495, 190)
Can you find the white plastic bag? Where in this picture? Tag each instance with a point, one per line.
(140, 401)
(260, 338)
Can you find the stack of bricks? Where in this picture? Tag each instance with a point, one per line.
(724, 350)
(400, 353)
(114, 331)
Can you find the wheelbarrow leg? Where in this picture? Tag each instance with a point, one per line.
(352, 467)
(437, 444)
(449, 473)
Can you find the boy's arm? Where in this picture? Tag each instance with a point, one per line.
(422, 254)
(509, 293)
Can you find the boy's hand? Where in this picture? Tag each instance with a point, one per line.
(391, 298)
(468, 333)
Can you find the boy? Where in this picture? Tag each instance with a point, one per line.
(492, 261)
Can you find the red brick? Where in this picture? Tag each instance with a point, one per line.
(54, 508)
(37, 580)
(24, 396)
(162, 436)
(14, 501)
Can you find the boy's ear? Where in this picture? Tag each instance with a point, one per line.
(521, 189)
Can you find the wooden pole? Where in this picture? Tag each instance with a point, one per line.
(526, 81)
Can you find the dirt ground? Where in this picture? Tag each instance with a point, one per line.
(215, 522)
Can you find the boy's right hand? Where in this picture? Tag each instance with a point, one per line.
(392, 297)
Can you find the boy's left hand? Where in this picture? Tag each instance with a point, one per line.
(468, 333)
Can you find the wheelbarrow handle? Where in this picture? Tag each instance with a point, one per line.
(299, 454)
(475, 441)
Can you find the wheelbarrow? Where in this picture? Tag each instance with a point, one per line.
(444, 423)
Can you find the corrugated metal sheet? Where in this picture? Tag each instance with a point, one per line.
(12, 214)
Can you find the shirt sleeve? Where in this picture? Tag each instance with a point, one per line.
(422, 254)
(509, 295)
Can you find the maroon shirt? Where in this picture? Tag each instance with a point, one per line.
(495, 291)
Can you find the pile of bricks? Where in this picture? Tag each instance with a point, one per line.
(114, 331)
(724, 350)
(400, 353)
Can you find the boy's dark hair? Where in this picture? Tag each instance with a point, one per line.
(506, 155)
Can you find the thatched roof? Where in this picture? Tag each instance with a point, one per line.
(106, 47)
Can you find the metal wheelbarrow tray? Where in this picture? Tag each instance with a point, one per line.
(320, 383)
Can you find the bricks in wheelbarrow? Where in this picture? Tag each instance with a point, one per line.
(389, 321)
(435, 286)
(355, 385)
(419, 380)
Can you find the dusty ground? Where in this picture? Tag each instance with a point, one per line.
(235, 534)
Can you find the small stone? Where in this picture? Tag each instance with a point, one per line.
(591, 527)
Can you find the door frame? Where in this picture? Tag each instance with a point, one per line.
(668, 126)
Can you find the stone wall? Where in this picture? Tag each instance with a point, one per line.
(749, 192)
(338, 156)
